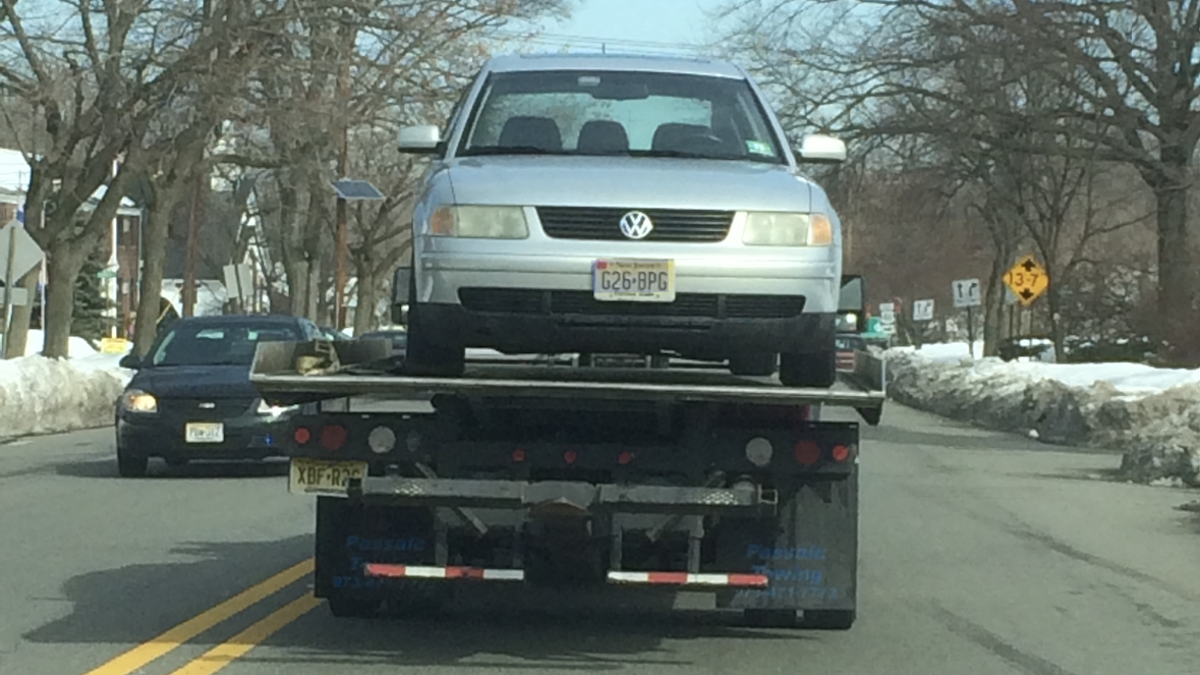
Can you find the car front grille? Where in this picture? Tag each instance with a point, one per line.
(692, 305)
(572, 222)
(221, 407)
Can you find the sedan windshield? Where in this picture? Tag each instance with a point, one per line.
(620, 113)
(191, 345)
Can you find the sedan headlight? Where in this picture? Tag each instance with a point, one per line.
(138, 401)
(787, 229)
(265, 408)
(479, 222)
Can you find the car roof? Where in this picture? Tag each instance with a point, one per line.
(239, 320)
(683, 65)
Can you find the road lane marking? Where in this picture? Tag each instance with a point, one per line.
(159, 646)
(225, 653)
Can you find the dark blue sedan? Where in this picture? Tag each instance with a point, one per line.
(191, 397)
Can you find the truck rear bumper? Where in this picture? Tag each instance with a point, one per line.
(563, 497)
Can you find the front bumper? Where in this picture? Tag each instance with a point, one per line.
(689, 336)
(247, 437)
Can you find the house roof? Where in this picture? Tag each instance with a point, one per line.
(14, 177)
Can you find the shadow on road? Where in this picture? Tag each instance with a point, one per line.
(489, 627)
(107, 468)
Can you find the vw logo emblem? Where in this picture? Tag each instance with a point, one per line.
(636, 225)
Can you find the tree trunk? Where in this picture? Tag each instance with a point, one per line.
(993, 302)
(297, 282)
(64, 262)
(1177, 279)
(154, 252)
(16, 337)
(368, 297)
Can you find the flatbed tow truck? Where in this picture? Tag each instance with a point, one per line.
(670, 478)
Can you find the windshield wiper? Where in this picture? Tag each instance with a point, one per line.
(511, 150)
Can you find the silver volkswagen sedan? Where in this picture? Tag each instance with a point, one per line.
(622, 204)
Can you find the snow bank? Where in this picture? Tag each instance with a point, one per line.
(41, 396)
(76, 348)
(1152, 414)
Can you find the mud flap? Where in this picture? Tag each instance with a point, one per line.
(809, 551)
(349, 535)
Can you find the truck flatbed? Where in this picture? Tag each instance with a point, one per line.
(347, 369)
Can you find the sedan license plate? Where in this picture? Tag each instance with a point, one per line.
(320, 477)
(634, 280)
(204, 432)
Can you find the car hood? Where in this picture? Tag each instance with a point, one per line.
(628, 182)
(215, 382)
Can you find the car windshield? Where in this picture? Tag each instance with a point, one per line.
(193, 345)
(636, 114)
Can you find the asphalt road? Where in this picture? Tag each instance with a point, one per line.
(981, 554)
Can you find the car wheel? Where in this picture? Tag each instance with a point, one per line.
(753, 365)
(818, 369)
(428, 351)
(130, 465)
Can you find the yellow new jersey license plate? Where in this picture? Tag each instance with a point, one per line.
(322, 477)
(634, 280)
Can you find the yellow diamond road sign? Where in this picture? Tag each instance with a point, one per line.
(1027, 279)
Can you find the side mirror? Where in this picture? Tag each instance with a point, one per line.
(130, 361)
(423, 139)
(822, 149)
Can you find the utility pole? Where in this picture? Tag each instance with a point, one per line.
(343, 161)
(193, 245)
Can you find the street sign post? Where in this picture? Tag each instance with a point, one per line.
(967, 294)
(887, 318)
(1027, 279)
(922, 310)
(19, 254)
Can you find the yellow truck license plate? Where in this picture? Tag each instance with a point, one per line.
(634, 280)
(321, 477)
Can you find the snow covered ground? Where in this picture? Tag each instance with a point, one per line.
(41, 396)
(1152, 414)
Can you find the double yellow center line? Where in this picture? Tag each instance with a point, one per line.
(223, 654)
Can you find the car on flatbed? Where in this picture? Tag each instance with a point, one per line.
(622, 204)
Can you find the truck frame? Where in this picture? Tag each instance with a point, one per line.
(670, 477)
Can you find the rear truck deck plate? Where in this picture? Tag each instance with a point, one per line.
(292, 372)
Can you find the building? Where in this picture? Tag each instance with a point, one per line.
(121, 254)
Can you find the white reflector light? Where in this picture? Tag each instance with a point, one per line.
(759, 451)
(381, 440)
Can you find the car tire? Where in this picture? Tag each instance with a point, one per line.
(428, 351)
(130, 465)
(753, 365)
(818, 369)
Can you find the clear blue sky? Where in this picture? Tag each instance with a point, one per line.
(644, 25)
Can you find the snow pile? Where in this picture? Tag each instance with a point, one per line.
(1152, 414)
(76, 348)
(40, 395)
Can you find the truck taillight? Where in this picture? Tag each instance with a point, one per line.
(302, 435)
(841, 453)
(759, 451)
(333, 437)
(808, 452)
(381, 440)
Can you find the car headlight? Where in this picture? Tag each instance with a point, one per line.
(265, 408)
(138, 401)
(479, 222)
(787, 229)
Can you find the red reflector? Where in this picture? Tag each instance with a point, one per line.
(302, 435)
(333, 437)
(570, 456)
(518, 455)
(625, 458)
(841, 453)
(808, 452)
